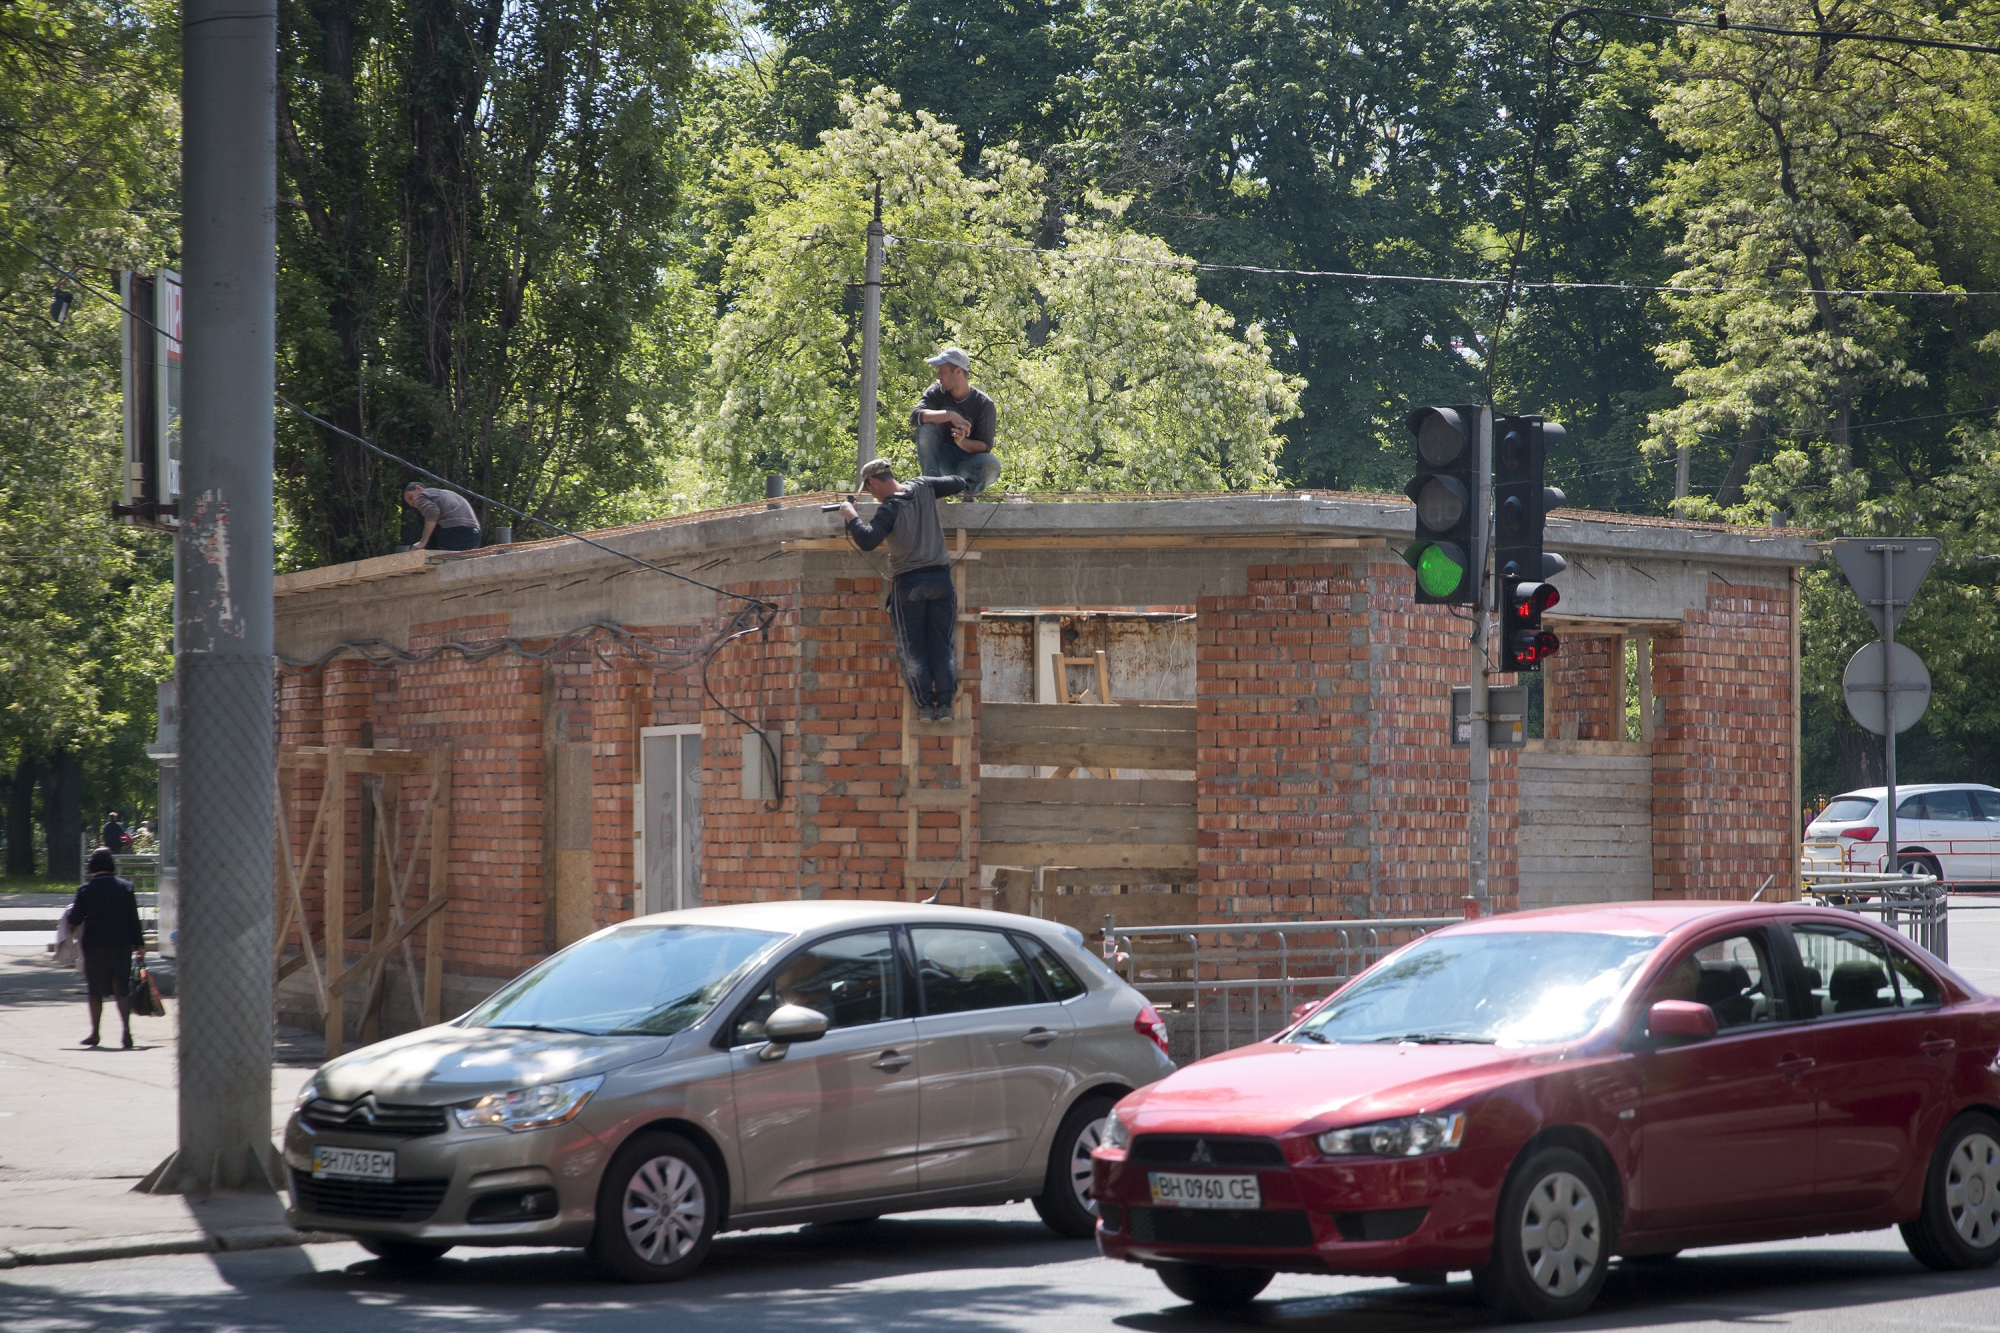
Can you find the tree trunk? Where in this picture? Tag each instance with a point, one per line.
(1749, 450)
(1860, 754)
(62, 814)
(21, 818)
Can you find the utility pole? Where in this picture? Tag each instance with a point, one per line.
(871, 336)
(223, 606)
(1681, 473)
(1484, 598)
(1889, 618)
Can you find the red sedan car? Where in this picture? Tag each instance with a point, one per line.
(1527, 1096)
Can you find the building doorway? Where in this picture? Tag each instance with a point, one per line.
(669, 815)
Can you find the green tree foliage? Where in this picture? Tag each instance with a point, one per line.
(477, 224)
(86, 180)
(1111, 372)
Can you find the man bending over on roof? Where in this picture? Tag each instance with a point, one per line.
(449, 523)
(922, 603)
(955, 425)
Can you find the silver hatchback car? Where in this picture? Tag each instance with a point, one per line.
(733, 1067)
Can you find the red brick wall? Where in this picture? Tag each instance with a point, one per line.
(1584, 697)
(749, 851)
(1322, 714)
(1722, 772)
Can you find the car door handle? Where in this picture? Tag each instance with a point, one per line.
(1791, 1066)
(889, 1061)
(1934, 1045)
(1040, 1037)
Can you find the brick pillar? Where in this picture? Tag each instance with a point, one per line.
(1722, 761)
(1583, 695)
(750, 851)
(850, 743)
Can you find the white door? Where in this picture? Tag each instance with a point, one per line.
(669, 814)
(1957, 832)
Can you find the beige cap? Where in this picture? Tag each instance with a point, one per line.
(877, 467)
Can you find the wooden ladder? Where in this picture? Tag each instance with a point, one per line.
(917, 798)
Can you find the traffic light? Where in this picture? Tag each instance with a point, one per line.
(1521, 501)
(1523, 641)
(1445, 489)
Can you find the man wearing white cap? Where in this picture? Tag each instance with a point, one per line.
(955, 425)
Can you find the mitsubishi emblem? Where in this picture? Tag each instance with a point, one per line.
(1201, 1153)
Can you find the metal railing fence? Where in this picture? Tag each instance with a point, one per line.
(1916, 906)
(1243, 981)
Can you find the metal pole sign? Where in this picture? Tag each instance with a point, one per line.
(1885, 573)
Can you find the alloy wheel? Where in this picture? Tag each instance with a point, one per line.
(1972, 1190)
(664, 1210)
(1561, 1235)
(1079, 1162)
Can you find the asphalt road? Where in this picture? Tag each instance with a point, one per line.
(967, 1272)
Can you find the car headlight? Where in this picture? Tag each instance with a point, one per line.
(529, 1108)
(1410, 1136)
(1116, 1135)
(307, 1093)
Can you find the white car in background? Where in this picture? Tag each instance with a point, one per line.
(1947, 829)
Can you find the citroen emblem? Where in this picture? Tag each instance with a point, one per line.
(1201, 1153)
(368, 1108)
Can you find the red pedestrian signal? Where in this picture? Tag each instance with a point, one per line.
(1523, 641)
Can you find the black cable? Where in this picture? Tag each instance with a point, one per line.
(1722, 23)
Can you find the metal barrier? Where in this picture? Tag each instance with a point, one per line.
(1249, 977)
(142, 870)
(1917, 906)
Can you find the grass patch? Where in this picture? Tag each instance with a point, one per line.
(34, 884)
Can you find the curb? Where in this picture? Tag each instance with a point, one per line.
(142, 1247)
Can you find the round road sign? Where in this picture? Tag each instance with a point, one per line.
(1863, 680)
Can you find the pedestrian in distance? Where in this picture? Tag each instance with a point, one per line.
(923, 605)
(113, 835)
(449, 523)
(956, 424)
(106, 912)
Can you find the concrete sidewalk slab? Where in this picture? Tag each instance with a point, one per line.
(80, 1126)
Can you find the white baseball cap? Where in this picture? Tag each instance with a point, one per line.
(951, 356)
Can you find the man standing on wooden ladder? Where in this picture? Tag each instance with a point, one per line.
(922, 603)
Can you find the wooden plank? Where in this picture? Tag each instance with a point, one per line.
(313, 758)
(1087, 791)
(438, 889)
(1016, 721)
(1131, 542)
(931, 870)
(1086, 911)
(1115, 823)
(381, 951)
(1049, 853)
(1158, 758)
(333, 803)
(940, 798)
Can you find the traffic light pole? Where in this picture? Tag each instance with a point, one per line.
(1484, 598)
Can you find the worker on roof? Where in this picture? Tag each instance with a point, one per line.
(449, 523)
(923, 605)
(955, 425)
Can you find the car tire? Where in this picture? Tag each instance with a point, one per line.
(1959, 1226)
(657, 1209)
(1920, 865)
(1207, 1287)
(1552, 1238)
(1065, 1203)
(402, 1253)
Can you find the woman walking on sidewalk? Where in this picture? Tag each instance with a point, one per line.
(107, 914)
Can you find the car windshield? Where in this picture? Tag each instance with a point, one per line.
(1509, 987)
(1846, 809)
(635, 981)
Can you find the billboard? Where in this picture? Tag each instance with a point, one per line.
(150, 347)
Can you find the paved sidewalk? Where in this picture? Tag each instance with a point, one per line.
(79, 1127)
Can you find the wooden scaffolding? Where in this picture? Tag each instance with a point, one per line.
(389, 915)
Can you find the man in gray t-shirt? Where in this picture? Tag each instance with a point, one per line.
(922, 602)
(449, 523)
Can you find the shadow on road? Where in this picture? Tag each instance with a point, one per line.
(1719, 1287)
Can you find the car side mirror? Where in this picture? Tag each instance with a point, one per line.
(789, 1023)
(1684, 1019)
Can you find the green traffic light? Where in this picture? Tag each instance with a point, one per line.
(1440, 570)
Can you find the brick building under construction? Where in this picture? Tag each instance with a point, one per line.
(1202, 709)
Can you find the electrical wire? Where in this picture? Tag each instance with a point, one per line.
(1672, 289)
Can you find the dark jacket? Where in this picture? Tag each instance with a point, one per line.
(908, 521)
(108, 912)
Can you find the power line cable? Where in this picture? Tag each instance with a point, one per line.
(1197, 266)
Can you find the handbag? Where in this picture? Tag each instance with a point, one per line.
(146, 1001)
